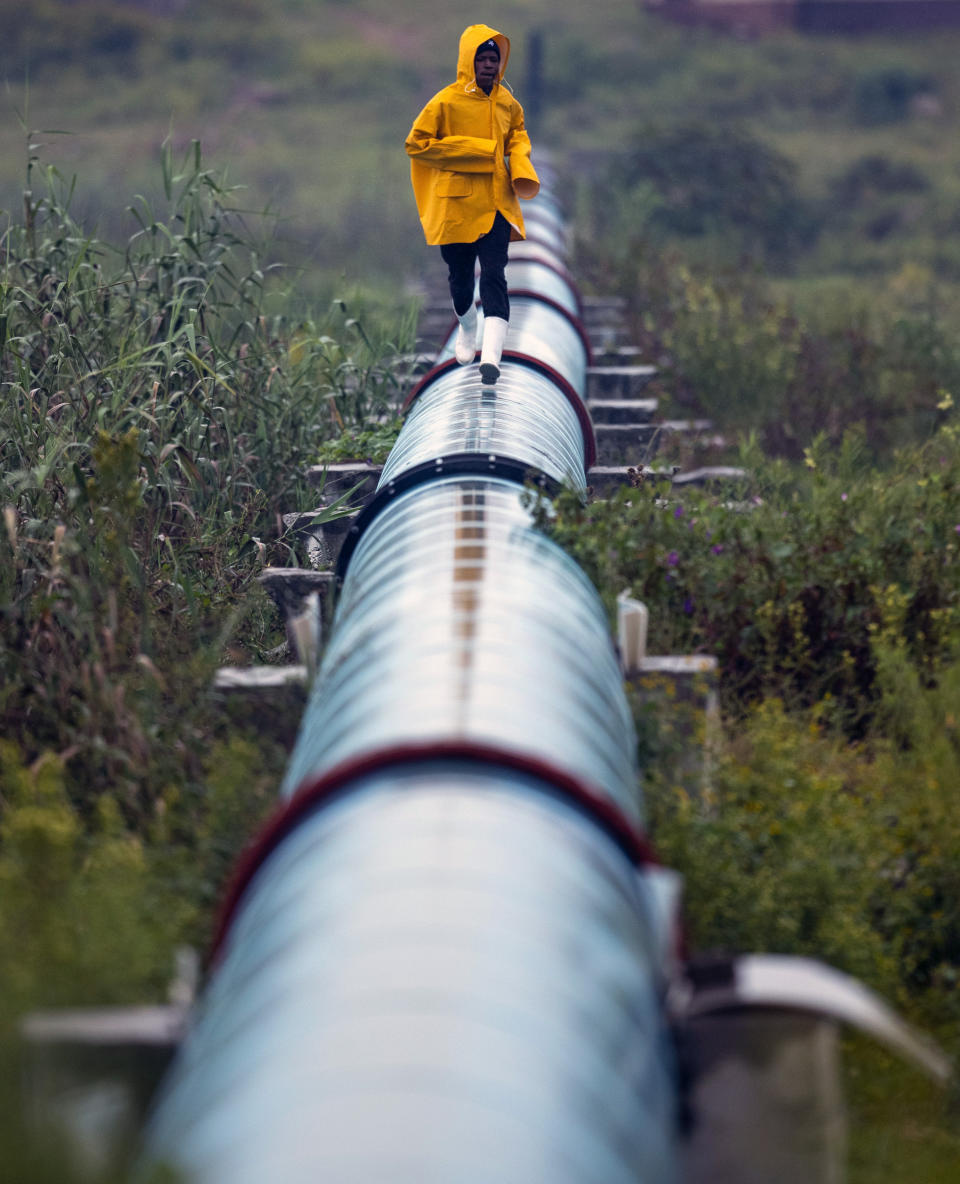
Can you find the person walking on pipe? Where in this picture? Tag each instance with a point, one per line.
(469, 163)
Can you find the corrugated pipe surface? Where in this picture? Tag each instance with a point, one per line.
(446, 976)
(543, 330)
(441, 963)
(458, 619)
(536, 272)
(525, 417)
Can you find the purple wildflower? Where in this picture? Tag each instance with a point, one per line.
(688, 606)
(843, 497)
(678, 512)
(673, 559)
(717, 548)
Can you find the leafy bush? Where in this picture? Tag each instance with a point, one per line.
(571, 65)
(782, 856)
(917, 910)
(872, 175)
(91, 911)
(49, 35)
(883, 94)
(371, 444)
(793, 585)
(810, 846)
(84, 917)
(875, 198)
(706, 180)
(95, 37)
(728, 346)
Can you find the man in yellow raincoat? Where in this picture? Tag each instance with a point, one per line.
(469, 162)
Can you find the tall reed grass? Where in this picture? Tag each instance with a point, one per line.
(158, 407)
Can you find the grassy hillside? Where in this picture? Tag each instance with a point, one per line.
(309, 104)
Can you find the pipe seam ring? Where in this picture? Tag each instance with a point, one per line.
(469, 465)
(316, 792)
(532, 363)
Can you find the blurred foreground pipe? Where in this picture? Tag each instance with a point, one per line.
(446, 975)
(444, 962)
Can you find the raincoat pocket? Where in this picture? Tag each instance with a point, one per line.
(454, 185)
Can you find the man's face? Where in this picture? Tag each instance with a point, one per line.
(487, 67)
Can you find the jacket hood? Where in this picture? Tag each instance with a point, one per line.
(470, 38)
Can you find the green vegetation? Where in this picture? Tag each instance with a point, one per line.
(370, 444)
(792, 585)
(841, 630)
(156, 419)
(701, 181)
(830, 594)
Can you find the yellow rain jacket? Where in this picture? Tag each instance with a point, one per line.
(470, 153)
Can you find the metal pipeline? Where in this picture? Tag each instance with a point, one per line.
(535, 271)
(522, 418)
(445, 975)
(545, 331)
(546, 213)
(444, 958)
(458, 619)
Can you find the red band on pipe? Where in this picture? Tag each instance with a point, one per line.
(530, 294)
(556, 267)
(313, 794)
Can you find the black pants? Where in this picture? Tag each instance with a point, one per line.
(461, 259)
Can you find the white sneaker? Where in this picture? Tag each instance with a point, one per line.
(465, 347)
(494, 335)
